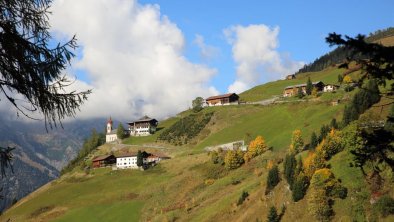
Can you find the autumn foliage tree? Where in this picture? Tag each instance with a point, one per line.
(332, 144)
(347, 79)
(233, 159)
(297, 143)
(314, 161)
(255, 148)
(324, 187)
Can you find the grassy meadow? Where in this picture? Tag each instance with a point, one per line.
(188, 187)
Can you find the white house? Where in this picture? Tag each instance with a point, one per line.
(111, 133)
(128, 161)
(330, 88)
(145, 126)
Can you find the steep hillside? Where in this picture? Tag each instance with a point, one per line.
(190, 187)
(109, 192)
(274, 89)
(39, 155)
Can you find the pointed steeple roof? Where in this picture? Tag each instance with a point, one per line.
(110, 120)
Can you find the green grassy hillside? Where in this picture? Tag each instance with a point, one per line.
(268, 90)
(188, 187)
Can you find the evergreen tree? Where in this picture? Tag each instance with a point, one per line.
(31, 70)
(340, 78)
(272, 179)
(273, 215)
(309, 86)
(361, 101)
(314, 141)
(242, 198)
(377, 60)
(334, 123)
(323, 132)
(300, 187)
(289, 168)
(120, 132)
(349, 114)
(389, 126)
(299, 167)
(140, 158)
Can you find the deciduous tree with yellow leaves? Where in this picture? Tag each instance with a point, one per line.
(297, 143)
(233, 159)
(256, 147)
(323, 188)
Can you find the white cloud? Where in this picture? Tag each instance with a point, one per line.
(254, 49)
(133, 57)
(206, 51)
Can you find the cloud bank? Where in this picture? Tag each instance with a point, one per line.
(133, 57)
(207, 52)
(254, 49)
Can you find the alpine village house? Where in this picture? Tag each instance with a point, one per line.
(222, 100)
(293, 90)
(145, 126)
(127, 161)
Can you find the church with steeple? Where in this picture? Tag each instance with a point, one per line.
(111, 133)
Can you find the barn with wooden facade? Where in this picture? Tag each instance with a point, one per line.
(103, 161)
(221, 100)
(290, 77)
(293, 90)
(143, 127)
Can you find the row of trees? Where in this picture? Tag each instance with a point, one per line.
(303, 174)
(232, 159)
(186, 128)
(343, 53)
(91, 143)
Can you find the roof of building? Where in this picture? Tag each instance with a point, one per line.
(220, 96)
(101, 158)
(331, 85)
(110, 121)
(143, 119)
(153, 155)
(301, 85)
(126, 155)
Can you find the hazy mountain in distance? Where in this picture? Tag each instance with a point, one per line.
(40, 155)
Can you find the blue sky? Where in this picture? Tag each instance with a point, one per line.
(303, 25)
(153, 57)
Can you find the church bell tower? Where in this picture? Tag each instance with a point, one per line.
(109, 125)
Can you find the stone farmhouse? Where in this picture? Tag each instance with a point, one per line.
(293, 90)
(222, 100)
